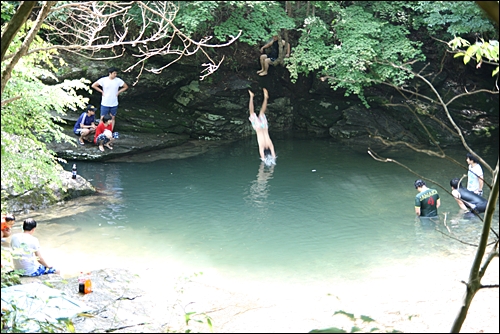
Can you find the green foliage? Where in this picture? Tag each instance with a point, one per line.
(454, 18)
(9, 276)
(190, 316)
(14, 320)
(193, 316)
(8, 10)
(395, 12)
(258, 20)
(355, 52)
(196, 16)
(478, 51)
(355, 324)
(28, 122)
(314, 50)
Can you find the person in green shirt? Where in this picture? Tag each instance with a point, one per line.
(427, 200)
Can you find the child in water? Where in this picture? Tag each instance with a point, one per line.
(259, 123)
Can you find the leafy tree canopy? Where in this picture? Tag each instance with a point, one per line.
(350, 43)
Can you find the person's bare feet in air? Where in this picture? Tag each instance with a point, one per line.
(262, 73)
(266, 94)
(251, 93)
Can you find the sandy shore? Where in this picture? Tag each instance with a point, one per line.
(423, 298)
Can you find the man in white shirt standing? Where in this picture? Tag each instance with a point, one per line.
(475, 175)
(110, 87)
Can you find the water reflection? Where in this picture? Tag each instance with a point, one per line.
(259, 189)
(107, 180)
(429, 223)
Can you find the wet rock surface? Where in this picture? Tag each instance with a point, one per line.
(124, 301)
(38, 197)
(117, 302)
(127, 144)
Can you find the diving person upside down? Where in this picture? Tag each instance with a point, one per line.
(261, 127)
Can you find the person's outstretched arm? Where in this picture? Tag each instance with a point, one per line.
(264, 103)
(250, 103)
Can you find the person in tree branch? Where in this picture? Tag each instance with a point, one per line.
(266, 59)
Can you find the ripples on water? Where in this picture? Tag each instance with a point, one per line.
(323, 212)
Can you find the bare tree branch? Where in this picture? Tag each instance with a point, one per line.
(471, 93)
(5, 102)
(447, 112)
(102, 30)
(493, 254)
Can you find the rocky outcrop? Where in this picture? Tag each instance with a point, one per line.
(173, 107)
(117, 302)
(127, 144)
(39, 197)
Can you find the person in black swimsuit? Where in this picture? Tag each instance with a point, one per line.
(466, 199)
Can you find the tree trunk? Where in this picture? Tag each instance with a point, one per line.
(6, 74)
(476, 272)
(16, 22)
(288, 6)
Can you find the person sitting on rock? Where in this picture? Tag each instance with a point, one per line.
(267, 59)
(85, 126)
(103, 135)
(26, 253)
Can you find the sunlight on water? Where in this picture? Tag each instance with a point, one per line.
(323, 213)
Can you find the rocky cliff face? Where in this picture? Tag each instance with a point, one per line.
(176, 113)
(173, 107)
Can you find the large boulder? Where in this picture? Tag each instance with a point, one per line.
(40, 197)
